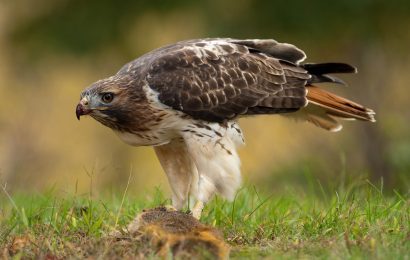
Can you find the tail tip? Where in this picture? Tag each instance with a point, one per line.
(371, 115)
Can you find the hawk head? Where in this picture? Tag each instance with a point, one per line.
(108, 102)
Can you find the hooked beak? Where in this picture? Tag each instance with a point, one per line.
(82, 108)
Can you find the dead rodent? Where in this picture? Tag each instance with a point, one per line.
(176, 233)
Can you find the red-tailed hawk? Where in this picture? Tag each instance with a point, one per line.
(185, 99)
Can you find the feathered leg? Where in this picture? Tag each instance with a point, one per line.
(179, 168)
(213, 151)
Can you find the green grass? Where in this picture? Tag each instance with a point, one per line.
(358, 221)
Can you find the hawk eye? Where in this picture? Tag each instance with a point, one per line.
(107, 97)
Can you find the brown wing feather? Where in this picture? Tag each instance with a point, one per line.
(282, 51)
(220, 79)
(216, 81)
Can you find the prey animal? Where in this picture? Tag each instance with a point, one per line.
(185, 100)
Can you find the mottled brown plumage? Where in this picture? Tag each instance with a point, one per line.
(185, 99)
(229, 81)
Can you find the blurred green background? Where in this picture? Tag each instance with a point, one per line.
(51, 49)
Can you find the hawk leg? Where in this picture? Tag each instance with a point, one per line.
(197, 209)
(212, 148)
(179, 169)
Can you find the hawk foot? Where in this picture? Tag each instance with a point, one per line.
(197, 209)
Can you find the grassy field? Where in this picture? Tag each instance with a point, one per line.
(355, 222)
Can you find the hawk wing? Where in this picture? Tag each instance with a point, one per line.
(220, 79)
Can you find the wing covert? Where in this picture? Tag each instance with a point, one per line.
(220, 80)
